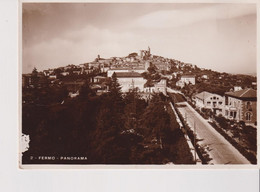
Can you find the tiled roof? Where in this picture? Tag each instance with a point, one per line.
(127, 74)
(203, 95)
(126, 68)
(245, 93)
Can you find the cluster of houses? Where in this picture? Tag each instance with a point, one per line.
(129, 75)
(238, 105)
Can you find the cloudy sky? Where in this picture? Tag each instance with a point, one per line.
(221, 37)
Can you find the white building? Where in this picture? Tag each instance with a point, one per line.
(204, 77)
(64, 73)
(241, 105)
(110, 72)
(186, 79)
(161, 86)
(130, 80)
(237, 88)
(211, 101)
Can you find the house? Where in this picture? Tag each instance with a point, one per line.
(64, 73)
(169, 77)
(46, 72)
(88, 71)
(161, 86)
(76, 72)
(186, 79)
(162, 66)
(241, 105)
(52, 76)
(110, 72)
(204, 77)
(211, 101)
(98, 79)
(130, 80)
(237, 88)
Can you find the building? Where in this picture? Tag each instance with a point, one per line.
(211, 101)
(186, 79)
(161, 86)
(64, 73)
(147, 65)
(130, 80)
(237, 88)
(144, 54)
(98, 79)
(241, 105)
(162, 66)
(204, 77)
(110, 72)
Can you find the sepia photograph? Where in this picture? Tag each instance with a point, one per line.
(144, 84)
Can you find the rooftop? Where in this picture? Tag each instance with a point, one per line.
(127, 74)
(245, 93)
(203, 95)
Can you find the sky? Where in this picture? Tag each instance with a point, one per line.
(220, 37)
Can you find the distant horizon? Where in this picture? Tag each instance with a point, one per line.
(220, 37)
(251, 74)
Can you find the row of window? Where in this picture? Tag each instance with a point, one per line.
(233, 114)
(236, 104)
(214, 103)
(214, 98)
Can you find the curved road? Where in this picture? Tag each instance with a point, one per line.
(220, 150)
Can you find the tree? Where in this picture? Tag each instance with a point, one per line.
(115, 89)
(152, 69)
(110, 123)
(58, 72)
(85, 91)
(132, 55)
(35, 77)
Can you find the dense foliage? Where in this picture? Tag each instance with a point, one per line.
(113, 128)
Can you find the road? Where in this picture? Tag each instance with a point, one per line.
(220, 150)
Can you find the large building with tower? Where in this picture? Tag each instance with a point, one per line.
(145, 54)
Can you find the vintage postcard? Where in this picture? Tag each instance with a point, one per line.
(138, 84)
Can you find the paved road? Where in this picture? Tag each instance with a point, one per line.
(220, 150)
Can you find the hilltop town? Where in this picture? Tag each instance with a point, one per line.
(148, 70)
(227, 103)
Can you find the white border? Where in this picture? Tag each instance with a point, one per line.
(14, 179)
(46, 166)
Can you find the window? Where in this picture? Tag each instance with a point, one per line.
(248, 116)
(226, 100)
(248, 106)
(214, 97)
(208, 102)
(234, 114)
(220, 102)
